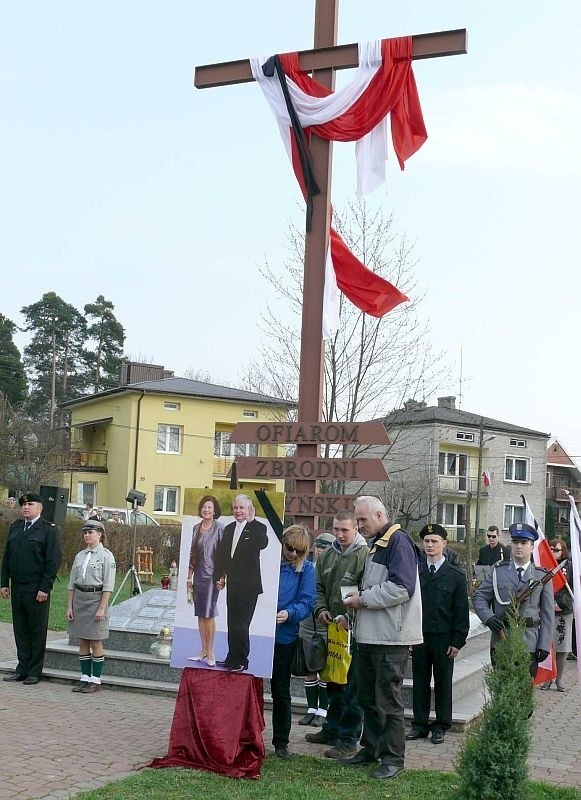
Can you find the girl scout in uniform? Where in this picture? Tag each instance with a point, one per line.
(91, 582)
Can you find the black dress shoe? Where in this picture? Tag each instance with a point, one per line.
(415, 734)
(307, 719)
(237, 668)
(437, 737)
(78, 687)
(282, 752)
(386, 771)
(362, 757)
(32, 680)
(222, 663)
(11, 678)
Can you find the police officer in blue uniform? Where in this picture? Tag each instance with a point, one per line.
(505, 581)
(30, 565)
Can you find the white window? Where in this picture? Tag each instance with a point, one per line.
(246, 413)
(165, 499)
(86, 493)
(513, 514)
(517, 469)
(172, 406)
(451, 514)
(454, 464)
(169, 439)
(464, 436)
(222, 447)
(518, 442)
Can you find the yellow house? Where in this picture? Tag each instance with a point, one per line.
(161, 437)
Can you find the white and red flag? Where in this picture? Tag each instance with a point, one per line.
(543, 557)
(575, 534)
(383, 85)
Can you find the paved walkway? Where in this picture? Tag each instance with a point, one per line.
(54, 745)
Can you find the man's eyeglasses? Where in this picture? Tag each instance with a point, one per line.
(294, 549)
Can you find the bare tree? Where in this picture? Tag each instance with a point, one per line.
(371, 365)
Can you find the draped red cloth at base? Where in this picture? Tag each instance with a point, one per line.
(217, 725)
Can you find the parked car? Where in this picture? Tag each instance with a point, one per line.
(127, 515)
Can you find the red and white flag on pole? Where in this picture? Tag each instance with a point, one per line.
(542, 554)
(543, 557)
(575, 533)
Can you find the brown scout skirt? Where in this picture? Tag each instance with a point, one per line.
(84, 624)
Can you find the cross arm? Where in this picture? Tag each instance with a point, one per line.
(424, 45)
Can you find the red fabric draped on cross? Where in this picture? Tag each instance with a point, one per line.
(392, 91)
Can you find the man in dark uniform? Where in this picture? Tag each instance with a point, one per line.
(445, 626)
(493, 551)
(506, 580)
(237, 566)
(30, 564)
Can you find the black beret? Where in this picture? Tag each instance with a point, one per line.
(432, 528)
(30, 497)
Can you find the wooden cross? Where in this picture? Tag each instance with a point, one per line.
(322, 61)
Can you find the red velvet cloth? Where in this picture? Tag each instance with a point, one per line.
(217, 725)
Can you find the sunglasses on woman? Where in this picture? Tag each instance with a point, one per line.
(294, 549)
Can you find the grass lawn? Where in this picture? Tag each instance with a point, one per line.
(58, 600)
(302, 778)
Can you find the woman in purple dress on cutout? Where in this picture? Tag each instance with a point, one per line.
(201, 587)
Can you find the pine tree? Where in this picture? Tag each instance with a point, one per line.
(109, 337)
(56, 356)
(12, 377)
(492, 760)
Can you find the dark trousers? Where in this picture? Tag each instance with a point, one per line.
(30, 624)
(344, 715)
(430, 659)
(381, 671)
(281, 696)
(240, 608)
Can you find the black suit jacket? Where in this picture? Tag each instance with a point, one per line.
(445, 603)
(32, 558)
(243, 569)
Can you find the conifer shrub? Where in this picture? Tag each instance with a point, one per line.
(492, 760)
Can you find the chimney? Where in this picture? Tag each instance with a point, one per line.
(135, 372)
(447, 402)
(414, 405)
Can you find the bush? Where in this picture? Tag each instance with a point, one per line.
(163, 540)
(492, 760)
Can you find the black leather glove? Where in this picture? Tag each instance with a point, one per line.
(494, 623)
(540, 655)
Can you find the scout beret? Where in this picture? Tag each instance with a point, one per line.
(30, 497)
(93, 525)
(324, 540)
(520, 530)
(434, 528)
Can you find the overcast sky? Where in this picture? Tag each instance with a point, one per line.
(118, 178)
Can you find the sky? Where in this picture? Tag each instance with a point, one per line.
(119, 178)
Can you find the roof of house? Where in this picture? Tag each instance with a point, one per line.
(185, 387)
(557, 456)
(452, 416)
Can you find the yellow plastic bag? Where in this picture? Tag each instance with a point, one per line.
(338, 654)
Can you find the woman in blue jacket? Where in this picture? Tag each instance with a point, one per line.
(296, 600)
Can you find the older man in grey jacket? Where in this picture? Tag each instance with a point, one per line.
(389, 620)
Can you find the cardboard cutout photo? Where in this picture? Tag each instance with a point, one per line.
(227, 584)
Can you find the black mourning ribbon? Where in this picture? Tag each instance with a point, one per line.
(305, 156)
(270, 513)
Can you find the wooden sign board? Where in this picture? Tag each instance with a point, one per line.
(335, 469)
(349, 433)
(322, 505)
